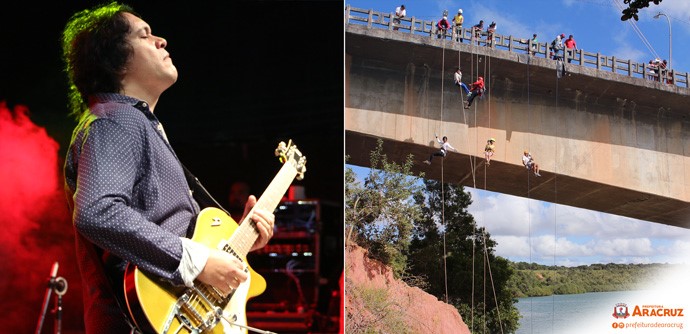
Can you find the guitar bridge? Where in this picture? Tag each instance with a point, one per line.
(197, 310)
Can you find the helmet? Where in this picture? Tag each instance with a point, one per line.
(460, 10)
(492, 139)
(526, 151)
(562, 35)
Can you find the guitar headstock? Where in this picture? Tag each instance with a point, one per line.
(288, 153)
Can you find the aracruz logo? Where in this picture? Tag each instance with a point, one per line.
(620, 311)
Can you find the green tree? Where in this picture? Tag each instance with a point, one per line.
(380, 213)
(474, 273)
(634, 6)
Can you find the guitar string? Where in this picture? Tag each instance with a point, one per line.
(203, 292)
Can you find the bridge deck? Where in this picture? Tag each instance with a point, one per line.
(394, 83)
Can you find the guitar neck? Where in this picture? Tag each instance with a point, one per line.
(246, 234)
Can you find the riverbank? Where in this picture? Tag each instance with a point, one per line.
(533, 280)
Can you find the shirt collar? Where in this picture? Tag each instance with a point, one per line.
(113, 97)
(143, 106)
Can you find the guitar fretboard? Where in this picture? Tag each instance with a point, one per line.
(246, 234)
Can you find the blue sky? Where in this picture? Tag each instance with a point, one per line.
(595, 24)
(533, 231)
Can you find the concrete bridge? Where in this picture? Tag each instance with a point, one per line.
(608, 140)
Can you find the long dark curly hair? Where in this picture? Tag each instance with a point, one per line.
(95, 51)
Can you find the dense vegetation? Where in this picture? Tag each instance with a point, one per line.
(380, 213)
(477, 279)
(402, 223)
(530, 280)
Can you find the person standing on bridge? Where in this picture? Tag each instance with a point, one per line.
(490, 31)
(664, 72)
(557, 46)
(570, 47)
(477, 30)
(529, 163)
(445, 146)
(654, 68)
(399, 14)
(533, 45)
(442, 26)
(476, 89)
(458, 20)
(457, 79)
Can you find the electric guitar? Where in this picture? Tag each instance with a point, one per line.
(157, 306)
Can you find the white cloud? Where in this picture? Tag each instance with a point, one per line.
(681, 247)
(512, 246)
(506, 23)
(560, 247)
(578, 236)
(624, 247)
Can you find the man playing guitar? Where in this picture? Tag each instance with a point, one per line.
(129, 197)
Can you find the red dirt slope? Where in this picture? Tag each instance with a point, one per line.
(375, 300)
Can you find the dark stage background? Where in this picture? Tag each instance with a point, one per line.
(251, 73)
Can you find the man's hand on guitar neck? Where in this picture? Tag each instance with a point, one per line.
(264, 223)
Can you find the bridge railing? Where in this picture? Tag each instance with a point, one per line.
(411, 25)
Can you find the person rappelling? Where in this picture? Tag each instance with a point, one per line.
(445, 147)
(476, 89)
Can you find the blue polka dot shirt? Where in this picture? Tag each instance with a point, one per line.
(129, 196)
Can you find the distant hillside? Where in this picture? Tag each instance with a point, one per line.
(532, 280)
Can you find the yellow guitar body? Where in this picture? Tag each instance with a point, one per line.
(156, 306)
(153, 304)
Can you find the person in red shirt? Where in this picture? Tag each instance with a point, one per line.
(477, 89)
(442, 26)
(570, 46)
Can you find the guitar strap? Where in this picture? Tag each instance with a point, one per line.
(200, 194)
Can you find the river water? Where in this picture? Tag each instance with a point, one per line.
(593, 313)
